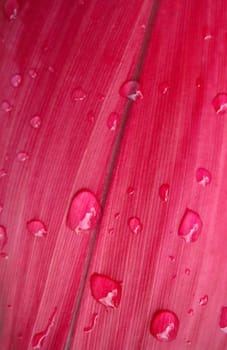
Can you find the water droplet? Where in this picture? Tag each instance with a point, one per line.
(164, 88)
(3, 237)
(37, 228)
(203, 176)
(6, 106)
(164, 325)
(131, 90)
(105, 290)
(113, 120)
(117, 215)
(191, 312)
(198, 83)
(111, 230)
(33, 74)
(35, 121)
(187, 272)
(84, 212)
(39, 338)
(3, 173)
(93, 322)
(91, 116)
(16, 80)
(51, 69)
(223, 319)
(190, 226)
(164, 192)
(22, 156)
(78, 94)
(171, 258)
(220, 103)
(188, 342)
(203, 300)
(130, 191)
(135, 225)
(11, 8)
(9, 305)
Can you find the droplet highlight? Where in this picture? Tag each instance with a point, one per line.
(220, 103)
(131, 90)
(35, 122)
(203, 300)
(203, 177)
(164, 192)
(130, 191)
(78, 94)
(37, 228)
(164, 326)
(113, 121)
(16, 80)
(105, 290)
(135, 225)
(3, 237)
(190, 227)
(164, 88)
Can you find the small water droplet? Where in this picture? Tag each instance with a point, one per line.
(203, 300)
(131, 90)
(6, 106)
(11, 8)
(190, 226)
(35, 122)
(172, 258)
(111, 230)
(84, 212)
(51, 69)
(113, 120)
(187, 271)
(105, 290)
(3, 173)
(203, 176)
(220, 103)
(91, 116)
(191, 312)
(78, 94)
(164, 88)
(223, 319)
(3, 237)
(198, 83)
(188, 342)
(16, 80)
(164, 325)
(135, 225)
(130, 191)
(164, 192)
(39, 338)
(22, 156)
(32, 72)
(117, 215)
(37, 228)
(93, 322)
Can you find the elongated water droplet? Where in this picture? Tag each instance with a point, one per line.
(203, 176)
(93, 322)
(22, 156)
(105, 290)
(78, 94)
(190, 226)
(223, 319)
(130, 191)
(113, 120)
(135, 225)
(203, 300)
(3, 173)
(11, 8)
(220, 103)
(6, 106)
(37, 228)
(3, 237)
(84, 212)
(164, 88)
(16, 80)
(164, 192)
(33, 74)
(39, 338)
(131, 90)
(35, 122)
(164, 325)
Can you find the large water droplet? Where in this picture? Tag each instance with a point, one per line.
(135, 225)
(93, 322)
(22, 156)
(39, 338)
(3, 237)
(220, 103)
(113, 120)
(33, 74)
(37, 228)
(84, 212)
(78, 94)
(16, 80)
(6, 106)
(164, 325)
(203, 300)
(11, 8)
(190, 226)
(203, 176)
(105, 290)
(131, 90)
(35, 122)
(223, 319)
(164, 192)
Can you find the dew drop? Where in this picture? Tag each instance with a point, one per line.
(84, 212)
(131, 90)
(16, 80)
(37, 228)
(223, 319)
(187, 272)
(164, 325)
(3, 173)
(191, 312)
(190, 226)
(22, 156)
(105, 290)
(6, 106)
(11, 8)
(113, 121)
(3, 237)
(93, 323)
(220, 103)
(135, 225)
(130, 191)
(203, 176)
(78, 94)
(35, 122)
(39, 338)
(164, 192)
(32, 73)
(203, 300)
(164, 88)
